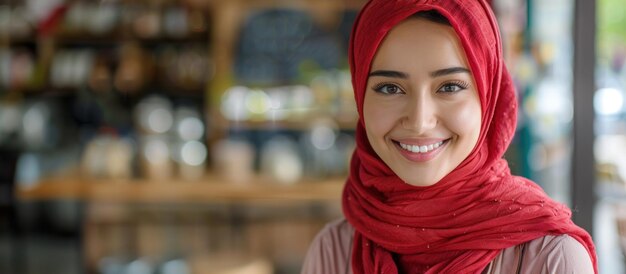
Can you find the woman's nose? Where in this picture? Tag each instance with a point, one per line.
(420, 114)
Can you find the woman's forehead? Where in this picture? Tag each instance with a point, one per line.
(420, 43)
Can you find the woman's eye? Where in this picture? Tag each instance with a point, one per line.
(388, 89)
(452, 88)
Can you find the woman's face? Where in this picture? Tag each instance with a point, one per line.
(421, 108)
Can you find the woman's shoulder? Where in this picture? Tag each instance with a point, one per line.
(547, 254)
(338, 227)
(329, 251)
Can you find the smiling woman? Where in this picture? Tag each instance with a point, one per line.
(429, 190)
(421, 108)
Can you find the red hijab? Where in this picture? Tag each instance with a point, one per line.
(461, 223)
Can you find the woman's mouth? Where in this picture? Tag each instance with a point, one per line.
(421, 149)
(420, 152)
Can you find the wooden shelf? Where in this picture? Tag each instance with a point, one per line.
(297, 125)
(210, 189)
(115, 40)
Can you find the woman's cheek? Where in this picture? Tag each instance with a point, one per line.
(372, 121)
(378, 118)
(466, 118)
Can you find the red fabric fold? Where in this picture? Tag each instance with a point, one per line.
(461, 223)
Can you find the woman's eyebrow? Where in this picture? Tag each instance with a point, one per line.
(389, 73)
(402, 75)
(446, 71)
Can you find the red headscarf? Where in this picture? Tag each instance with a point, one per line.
(461, 223)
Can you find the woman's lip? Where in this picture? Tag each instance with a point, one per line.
(420, 142)
(421, 157)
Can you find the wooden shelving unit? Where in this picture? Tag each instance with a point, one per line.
(285, 124)
(209, 189)
(259, 218)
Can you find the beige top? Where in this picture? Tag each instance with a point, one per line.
(330, 253)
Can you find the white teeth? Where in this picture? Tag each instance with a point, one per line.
(415, 149)
(421, 149)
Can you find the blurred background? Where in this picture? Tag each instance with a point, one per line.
(211, 136)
